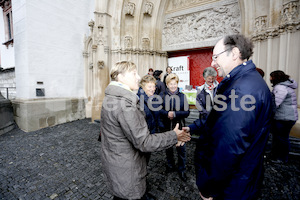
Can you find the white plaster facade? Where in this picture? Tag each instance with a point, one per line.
(48, 43)
(48, 37)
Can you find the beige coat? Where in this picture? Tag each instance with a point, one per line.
(124, 138)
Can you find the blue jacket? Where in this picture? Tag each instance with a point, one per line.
(152, 117)
(230, 164)
(178, 103)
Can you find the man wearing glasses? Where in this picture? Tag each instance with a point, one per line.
(229, 165)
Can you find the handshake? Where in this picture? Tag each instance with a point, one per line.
(183, 135)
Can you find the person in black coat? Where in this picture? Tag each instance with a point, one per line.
(168, 71)
(175, 110)
(152, 116)
(205, 96)
(146, 95)
(160, 86)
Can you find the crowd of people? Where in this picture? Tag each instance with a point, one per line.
(235, 119)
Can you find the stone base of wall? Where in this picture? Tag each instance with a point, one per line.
(31, 115)
(6, 115)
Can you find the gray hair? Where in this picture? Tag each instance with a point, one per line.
(121, 68)
(209, 71)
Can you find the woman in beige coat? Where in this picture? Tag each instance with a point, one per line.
(125, 136)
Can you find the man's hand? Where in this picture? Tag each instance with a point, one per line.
(186, 129)
(180, 144)
(182, 136)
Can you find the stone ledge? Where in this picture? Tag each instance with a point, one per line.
(32, 115)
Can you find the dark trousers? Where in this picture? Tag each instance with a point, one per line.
(181, 153)
(280, 139)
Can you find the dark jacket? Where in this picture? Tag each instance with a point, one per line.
(152, 116)
(203, 106)
(160, 87)
(165, 76)
(124, 138)
(230, 166)
(178, 103)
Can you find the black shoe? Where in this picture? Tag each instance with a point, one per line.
(148, 196)
(182, 176)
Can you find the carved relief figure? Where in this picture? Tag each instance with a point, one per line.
(260, 23)
(145, 43)
(128, 42)
(148, 8)
(129, 8)
(100, 64)
(91, 25)
(289, 12)
(99, 37)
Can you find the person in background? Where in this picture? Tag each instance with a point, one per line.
(175, 110)
(150, 71)
(237, 128)
(205, 98)
(125, 136)
(286, 114)
(260, 71)
(150, 104)
(168, 71)
(160, 86)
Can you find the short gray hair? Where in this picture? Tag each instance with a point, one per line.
(209, 71)
(121, 68)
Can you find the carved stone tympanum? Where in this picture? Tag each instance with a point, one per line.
(202, 26)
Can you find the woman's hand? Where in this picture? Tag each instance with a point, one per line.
(182, 136)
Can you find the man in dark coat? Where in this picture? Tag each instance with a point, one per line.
(230, 166)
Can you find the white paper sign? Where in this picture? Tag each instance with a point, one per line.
(180, 66)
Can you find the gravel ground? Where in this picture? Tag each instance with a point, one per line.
(63, 162)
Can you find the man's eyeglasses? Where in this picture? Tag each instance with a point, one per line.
(214, 57)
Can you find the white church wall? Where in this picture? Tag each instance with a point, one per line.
(7, 53)
(49, 42)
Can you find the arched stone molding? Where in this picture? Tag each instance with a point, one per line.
(97, 60)
(138, 36)
(121, 30)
